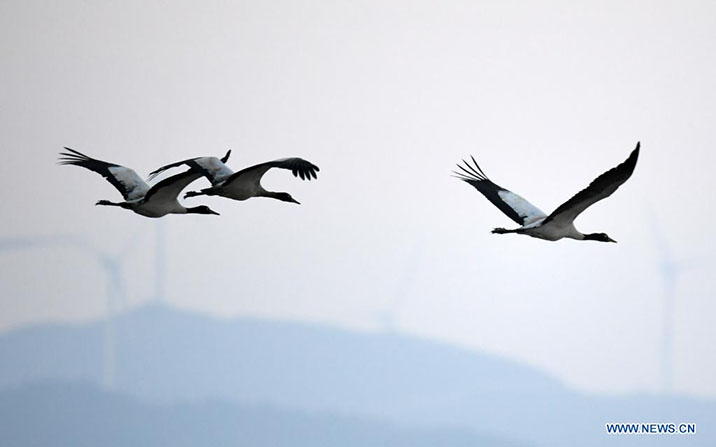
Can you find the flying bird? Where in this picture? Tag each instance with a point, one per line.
(246, 183)
(155, 201)
(560, 224)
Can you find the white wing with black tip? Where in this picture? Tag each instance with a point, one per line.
(127, 182)
(513, 205)
(212, 168)
(252, 175)
(601, 188)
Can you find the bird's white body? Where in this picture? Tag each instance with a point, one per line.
(533, 218)
(552, 231)
(240, 190)
(156, 208)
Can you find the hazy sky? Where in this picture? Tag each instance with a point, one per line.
(385, 97)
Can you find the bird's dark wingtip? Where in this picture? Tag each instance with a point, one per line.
(73, 153)
(458, 176)
(635, 152)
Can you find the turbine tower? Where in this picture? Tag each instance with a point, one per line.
(115, 287)
(670, 269)
(387, 318)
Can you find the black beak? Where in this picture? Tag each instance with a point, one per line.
(611, 240)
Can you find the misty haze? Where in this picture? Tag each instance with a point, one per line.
(371, 305)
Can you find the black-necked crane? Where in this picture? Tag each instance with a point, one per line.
(246, 183)
(155, 201)
(559, 224)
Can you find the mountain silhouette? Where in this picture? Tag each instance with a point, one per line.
(165, 356)
(78, 414)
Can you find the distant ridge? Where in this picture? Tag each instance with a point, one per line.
(165, 355)
(77, 414)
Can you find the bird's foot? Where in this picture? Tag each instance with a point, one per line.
(192, 194)
(499, 231)
(103, 202)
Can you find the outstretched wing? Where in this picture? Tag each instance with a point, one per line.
(212, 168)
(513, 205)
(124, 179)
(601, 188)
(169, 188)
(300, 168)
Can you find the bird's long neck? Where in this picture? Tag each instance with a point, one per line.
(282, 196)
(270, 194)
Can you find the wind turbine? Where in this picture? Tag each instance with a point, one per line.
(670, 270)
(115, 286)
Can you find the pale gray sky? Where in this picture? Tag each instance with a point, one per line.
(385, 97)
